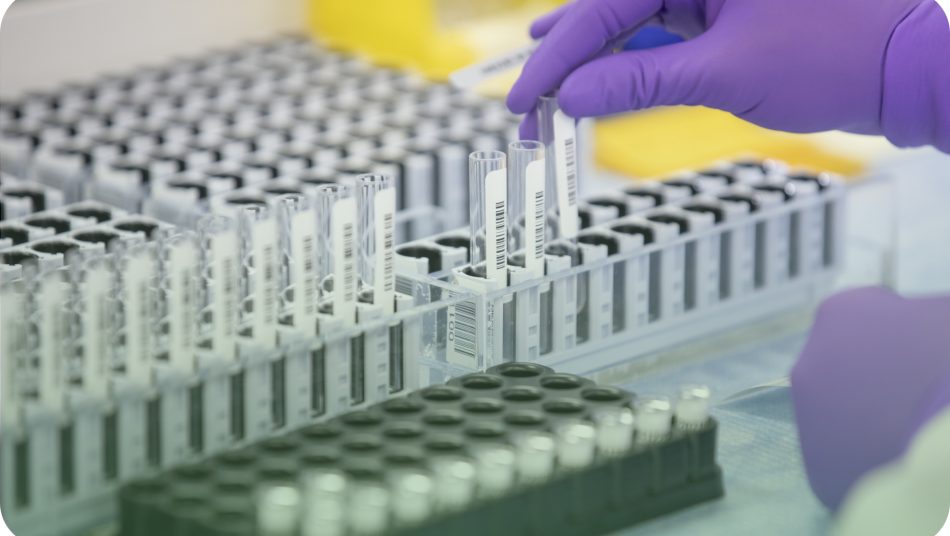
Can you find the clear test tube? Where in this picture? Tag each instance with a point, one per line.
(525, 193)
(258, 232)
(488, 213)
(220, 244)
(297, 222)
(547, 105)
(376, 200)
(336, 247)
(557, 132)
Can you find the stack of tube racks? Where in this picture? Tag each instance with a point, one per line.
(654, 265)
(168, 292)
(171, 141)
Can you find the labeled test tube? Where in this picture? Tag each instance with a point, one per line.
(376, 200)
(298, 230)
(258, 230)
(488, 219)
(526, 200)
(336, 212)
(557, 132)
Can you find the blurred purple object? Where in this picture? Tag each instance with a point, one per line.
(875, 369)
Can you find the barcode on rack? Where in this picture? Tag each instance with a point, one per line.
(501, 242)
(538, 223)
(308, 281)
(269, 292)
(570, 160)
(388, 252)
(348, 289)
(462, 331)
(404, 286)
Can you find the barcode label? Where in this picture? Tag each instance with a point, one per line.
(50, 302)
(565, 155)
(462, 334)
(264, 252)
(224, 289)
(183, 274)
(138, 301)
(384, 285)
(96, 317)
(535, 222)
(496, 225)
(472, 75)
(303, 269)
(343, 229)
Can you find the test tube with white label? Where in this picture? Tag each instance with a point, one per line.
(258, 231)
(558, 133)
(526, 206)
(376, 201)
(336, 247)
(298, 231)
(488, 221)
(525, 194)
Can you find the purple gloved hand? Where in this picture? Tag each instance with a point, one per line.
(875, 369)
(795, 65)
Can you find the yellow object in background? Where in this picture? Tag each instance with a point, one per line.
(433, 37)
(662, 141)
(436, 37)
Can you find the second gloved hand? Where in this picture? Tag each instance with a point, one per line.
(795, 65)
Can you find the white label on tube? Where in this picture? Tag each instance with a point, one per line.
(534, 218)
(183, 276)
(97, 316)
(51, 308)
(264, 247)
(384, 277)
(224, 292)
(137, 297)
(565, 155)
(343, 229)
(470, 76)
(304, 270)
(496, 225)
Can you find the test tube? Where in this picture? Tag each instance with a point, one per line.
(692, 407)
(654, 418)
(547, 105)
(557, 132)
(297, 221)
(220, 245)
(488, 213)
(495, 469)
(576, 445)
(527, 203)
(376, 199)
(258, 231)
(336, 248)
(368, 508)
(278, 510)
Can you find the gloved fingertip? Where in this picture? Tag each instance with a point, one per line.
(573, 98)
(528, 129)
(519, 101)
(538, 29)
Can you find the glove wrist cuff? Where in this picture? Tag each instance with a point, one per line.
(915, 108)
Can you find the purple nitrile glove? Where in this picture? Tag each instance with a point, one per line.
(798, 65)
(875, 369)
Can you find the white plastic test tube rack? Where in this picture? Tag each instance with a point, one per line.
(163, 366)
(717, 257)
